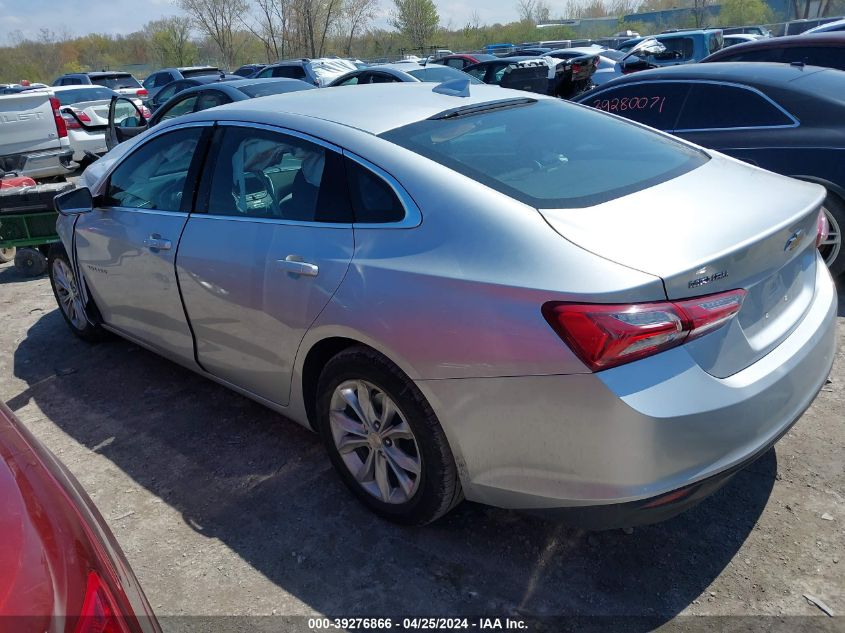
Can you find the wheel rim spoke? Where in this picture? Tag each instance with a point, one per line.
(349, 443)
(352, 397)
(381, 476)
(365, 472)
(402, 460)
(346, 424)
(398, 431)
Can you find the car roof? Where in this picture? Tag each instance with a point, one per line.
(753, 73)
(373, 108)
(826, 25)
(833, 38)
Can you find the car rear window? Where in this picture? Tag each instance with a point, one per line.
(116, 82)
(200, 71)
(437, 74)
(68, 97)
(547, 153)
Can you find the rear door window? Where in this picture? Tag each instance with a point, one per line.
(716, 106)
(760, 55)
(549, 154)
(264, 174)
(656, 104)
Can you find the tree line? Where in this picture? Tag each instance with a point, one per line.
(228, 33)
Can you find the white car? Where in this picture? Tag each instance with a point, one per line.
(85, 110)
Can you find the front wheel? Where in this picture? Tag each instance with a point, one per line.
(384, 440)
(68, 296)
(831, 249)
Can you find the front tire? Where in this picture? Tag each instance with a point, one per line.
(68, 296)
(384, 440)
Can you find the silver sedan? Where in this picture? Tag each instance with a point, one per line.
(466, 292)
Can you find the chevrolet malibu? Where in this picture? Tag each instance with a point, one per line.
(467, 292)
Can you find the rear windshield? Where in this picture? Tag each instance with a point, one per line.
(68, 97)
(550, 154)
(274, 88)
(200, 71)
(115, 82)
(439, 73)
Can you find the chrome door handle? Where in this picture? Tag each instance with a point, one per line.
(292, 264)
(158, 243)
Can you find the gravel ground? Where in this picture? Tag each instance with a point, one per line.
(224, 507)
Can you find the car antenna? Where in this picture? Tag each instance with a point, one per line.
(453, 88)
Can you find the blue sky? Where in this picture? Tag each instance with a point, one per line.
(125, 16)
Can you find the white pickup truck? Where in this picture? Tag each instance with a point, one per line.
(33, 135)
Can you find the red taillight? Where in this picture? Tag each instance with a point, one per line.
(142, 92)
(822, 228)
(576, 68)
(99, 612)
(604, 336)
(73, 120)
(61, 128)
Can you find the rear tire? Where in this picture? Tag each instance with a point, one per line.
(70, 300)
(30, 262)
(7, 254)
(832, 250)
(411, 476)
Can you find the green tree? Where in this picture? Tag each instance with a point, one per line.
(171, 40)
(742, 12)
(417, 20)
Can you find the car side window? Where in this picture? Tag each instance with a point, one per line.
(763, 55)
(211, 100)
(477, 72)
(825, 56)
(382, 78)
(149, 82)
(683, 46)
(290, 72)
(165, 93)
(351, 81)
(185, 106)
(155, 175)
(162, 79)
(655, 104)
(716, 106)
(373, 200)
(455, 62)
(264, 174)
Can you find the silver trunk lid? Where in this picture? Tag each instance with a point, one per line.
(722, 226)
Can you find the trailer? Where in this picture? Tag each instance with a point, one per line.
(28, 225)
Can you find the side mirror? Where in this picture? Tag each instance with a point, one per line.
(74, 202)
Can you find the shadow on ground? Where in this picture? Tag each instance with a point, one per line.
(262, 485)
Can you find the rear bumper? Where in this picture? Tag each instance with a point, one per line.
(46, 164)
(598, 447)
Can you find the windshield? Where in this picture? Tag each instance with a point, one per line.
(116, 82)
(436, 74)
(550, 154)
(81, 95)
(274, 88)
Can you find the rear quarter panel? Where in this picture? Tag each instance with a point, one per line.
(26, 123)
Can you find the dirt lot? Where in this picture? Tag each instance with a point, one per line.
(224, 507)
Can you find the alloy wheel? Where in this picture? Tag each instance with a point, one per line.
(375, 442)
(68, 294)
